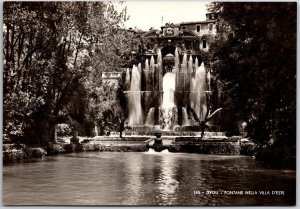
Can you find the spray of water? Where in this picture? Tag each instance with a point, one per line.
(184, 62)
(169, 110)
(150, 121)
(152, 74)
(147, 75)
(208, 80)
(198, 92)
(135, 108)
(127, 78)
(185, 120)
(152, 63)
(176, 69)
(147, 65)
(196, 63)
(159, 58)
(168, 89)
(176, 60)
(190, 64)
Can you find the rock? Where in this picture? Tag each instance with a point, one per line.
(158, 145)
(37, 152)
(55, 148)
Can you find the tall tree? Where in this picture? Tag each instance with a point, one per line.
(49, 51)
(254, 60)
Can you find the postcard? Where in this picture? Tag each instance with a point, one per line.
(149, 103)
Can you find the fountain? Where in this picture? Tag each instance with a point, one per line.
(147, 74)
(198, 92)
(170, 101)
(175, 93)
(168, 105)
(134, 101)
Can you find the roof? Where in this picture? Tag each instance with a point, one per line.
(170, 25)
(110, 72)
(198, 22)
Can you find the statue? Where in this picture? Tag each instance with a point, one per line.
(74, 139)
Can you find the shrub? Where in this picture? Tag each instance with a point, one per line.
(249, 149)
(37, 152)
(63, 129)
(55, 149)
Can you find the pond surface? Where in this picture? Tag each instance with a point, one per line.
(131, 178)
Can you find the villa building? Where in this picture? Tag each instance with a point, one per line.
(188, 37)
(111, 78)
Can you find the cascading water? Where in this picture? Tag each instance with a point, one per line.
(185, 119)
(176, 60)
(176, 69)
(152, 74)
(159, 74)
(168, 107)
(150, 120)
(208, 80)
(146, 65)
(190, 64)
(180, 72)
(198, 92)
(159, 58)
(147, 75)
(168, 89)
(167, 111)
(152, 62)
(188, 74)
(127, 79)
(135, 107)
(196, 63)
(186, 78)
(184, 62)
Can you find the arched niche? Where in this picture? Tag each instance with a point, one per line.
(168, 49)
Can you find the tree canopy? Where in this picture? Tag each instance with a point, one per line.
(54, 53)
(254, 61)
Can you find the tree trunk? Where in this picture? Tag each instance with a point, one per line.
(77, 50)
(55, 133)
(96, 130)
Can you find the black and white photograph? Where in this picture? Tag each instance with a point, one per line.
(149, 103)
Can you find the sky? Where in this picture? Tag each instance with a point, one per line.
(147, 14)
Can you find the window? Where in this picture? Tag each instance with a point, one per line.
(204, 44)
(183, 28)
(198, 28)
(210, 26)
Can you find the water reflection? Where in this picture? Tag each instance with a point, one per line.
(98, 178)
(134, 184)
(167, 183)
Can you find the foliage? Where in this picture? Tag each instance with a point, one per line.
(107, 110)
(254, 60)
(63, 129)
(53, 53)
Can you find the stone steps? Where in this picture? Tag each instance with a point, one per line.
(172, 133)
